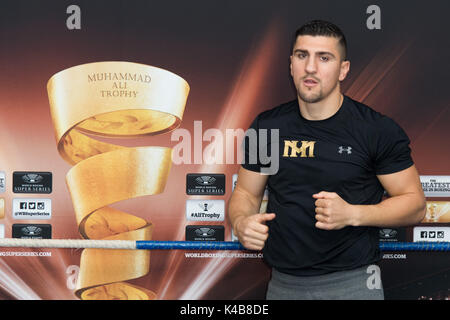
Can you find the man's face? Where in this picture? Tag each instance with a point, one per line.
(316, 67)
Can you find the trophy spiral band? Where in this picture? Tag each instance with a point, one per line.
(113, 99)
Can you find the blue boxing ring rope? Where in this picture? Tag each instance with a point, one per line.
(415, 246)
(224, 245)
(188, 245)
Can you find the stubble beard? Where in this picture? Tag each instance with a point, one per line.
(310, 97)
(313, 97)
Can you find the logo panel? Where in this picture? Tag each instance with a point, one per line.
(392, 235)
(32, 182)
(2, 182)
(32, 231)
(436, 186)
(205, 210)
(205, 233)
(39, 209)
(205, 184)
(431, 234)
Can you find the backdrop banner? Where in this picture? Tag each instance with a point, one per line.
(123, 120)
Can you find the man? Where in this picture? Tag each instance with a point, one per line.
(336, 158)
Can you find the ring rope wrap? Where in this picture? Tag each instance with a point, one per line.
(189, 245)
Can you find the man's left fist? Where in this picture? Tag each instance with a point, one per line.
(332, 212)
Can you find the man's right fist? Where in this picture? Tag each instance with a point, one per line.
(252, 231)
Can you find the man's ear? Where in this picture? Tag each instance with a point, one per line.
(345, 68)
(290, 64)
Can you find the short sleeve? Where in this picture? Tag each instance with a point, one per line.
(250, 146)
(392, 152)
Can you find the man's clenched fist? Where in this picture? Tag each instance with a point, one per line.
(333, 212)
(252, 230)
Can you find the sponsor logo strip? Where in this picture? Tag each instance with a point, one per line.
(32, 231)
(433, 234)
(392, 235)
(205, 233)
(205, 184)
(436, 186)
(32, 182)
(2, 182)
(205, 210)
(40, 209)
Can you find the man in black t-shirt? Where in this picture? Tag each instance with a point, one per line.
(335, 158)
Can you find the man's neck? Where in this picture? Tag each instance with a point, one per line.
(322, 109)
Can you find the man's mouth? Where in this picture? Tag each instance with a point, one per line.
(309, 82)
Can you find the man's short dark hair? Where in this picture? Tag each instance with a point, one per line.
(322, 28)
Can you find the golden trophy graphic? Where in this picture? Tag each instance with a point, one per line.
(114, 99)
(2, 208)
(437, 211)
(431, 213)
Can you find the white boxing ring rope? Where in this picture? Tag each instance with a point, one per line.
(187, 245)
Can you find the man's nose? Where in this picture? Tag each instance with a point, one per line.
(311, 65)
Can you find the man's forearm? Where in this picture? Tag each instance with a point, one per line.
(397, 211)
(241, 205)
(248, 224)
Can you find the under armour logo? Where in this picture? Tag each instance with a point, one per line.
(348, 149)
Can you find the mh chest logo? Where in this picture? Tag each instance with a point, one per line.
(294, 149)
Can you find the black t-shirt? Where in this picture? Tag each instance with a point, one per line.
(342, 154)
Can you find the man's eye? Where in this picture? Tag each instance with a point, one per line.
(301, 55)
(323, 58)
